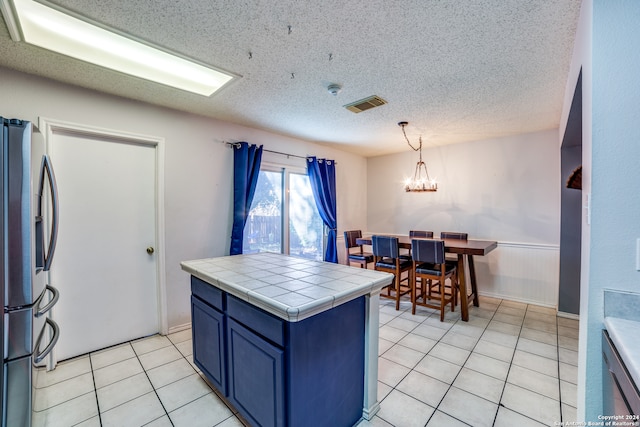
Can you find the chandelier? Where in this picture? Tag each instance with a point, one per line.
(420, 182)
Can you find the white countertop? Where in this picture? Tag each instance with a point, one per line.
(624, 334)
(288, 287)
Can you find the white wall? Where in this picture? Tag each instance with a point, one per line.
(505, 189)
(198, 167)
(581, 61)
(615, 206)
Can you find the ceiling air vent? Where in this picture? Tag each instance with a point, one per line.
(365, 104)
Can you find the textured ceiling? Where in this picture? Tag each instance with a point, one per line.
(455, 70)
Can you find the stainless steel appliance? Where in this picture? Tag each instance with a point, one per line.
(28, 335)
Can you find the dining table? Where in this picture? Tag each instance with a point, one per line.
(465, 250)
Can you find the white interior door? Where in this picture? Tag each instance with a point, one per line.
(106, 278)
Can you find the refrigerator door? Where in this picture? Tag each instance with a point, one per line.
(19, 328)
(4, 133)
(23, 287)
(19, 379)
(18, 391)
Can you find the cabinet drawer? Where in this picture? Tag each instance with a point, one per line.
(265, 324)
(209, 294)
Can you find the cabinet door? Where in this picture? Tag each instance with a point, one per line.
(208, 342)
(256, 376)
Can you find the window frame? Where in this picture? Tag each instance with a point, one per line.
(286, 170)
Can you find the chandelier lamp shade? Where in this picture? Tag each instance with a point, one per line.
(421, 181)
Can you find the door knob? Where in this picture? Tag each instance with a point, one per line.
(150, 250)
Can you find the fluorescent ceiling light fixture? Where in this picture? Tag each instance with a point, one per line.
(54, 30)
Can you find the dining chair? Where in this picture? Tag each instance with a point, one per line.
(387, 258)
(420, 233)
(429, 265)
(361, 257)
(454, 235)
(454, 260)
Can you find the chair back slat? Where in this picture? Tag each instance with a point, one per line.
(453, 235)
(385, 246)
(350, 238)
(420, 233)
(428, 251)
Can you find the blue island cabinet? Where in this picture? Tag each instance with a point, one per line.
(276, 372)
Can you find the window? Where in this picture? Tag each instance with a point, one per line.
(263, 230)
(306, 228)
(282, 197)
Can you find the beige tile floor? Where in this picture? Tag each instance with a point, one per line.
(512, 364)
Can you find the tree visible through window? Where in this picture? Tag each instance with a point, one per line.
(263, 230)
(306, 235)
(282, 198)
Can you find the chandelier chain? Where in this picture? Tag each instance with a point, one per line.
(409, 142)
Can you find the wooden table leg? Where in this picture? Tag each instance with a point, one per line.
(472, 280)
(464, 300)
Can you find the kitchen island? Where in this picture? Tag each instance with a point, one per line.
(288, 341)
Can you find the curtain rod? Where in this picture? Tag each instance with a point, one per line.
(233, 144)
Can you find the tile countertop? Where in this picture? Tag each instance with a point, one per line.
(622, 320)
(285, 286)
(624, 334)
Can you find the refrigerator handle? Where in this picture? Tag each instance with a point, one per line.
(37, 358)
(42, 310)
(46, 167)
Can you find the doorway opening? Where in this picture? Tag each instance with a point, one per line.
(571, 208)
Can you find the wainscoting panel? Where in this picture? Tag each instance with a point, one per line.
(520, 272)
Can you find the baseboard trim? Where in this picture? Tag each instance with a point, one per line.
(179, 328)
(568, 315)
(515, 299)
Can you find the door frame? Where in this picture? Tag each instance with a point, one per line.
(48, 127)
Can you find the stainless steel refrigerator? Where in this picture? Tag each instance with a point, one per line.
(27, 185)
